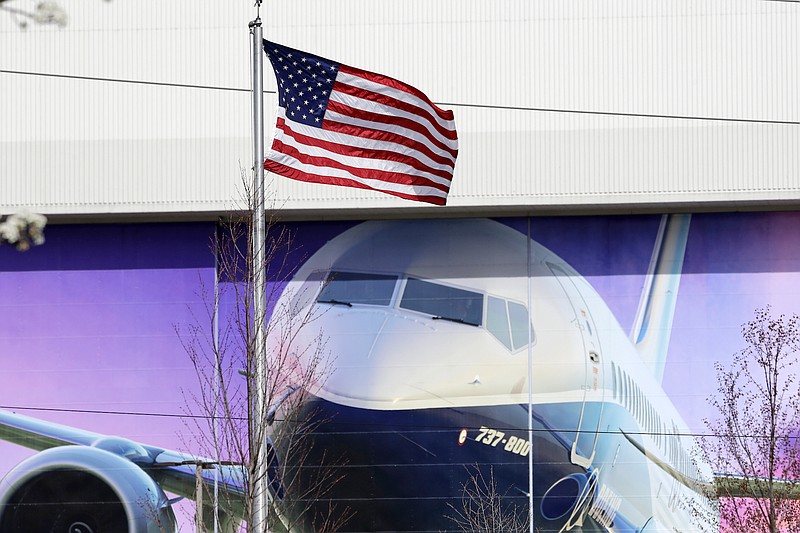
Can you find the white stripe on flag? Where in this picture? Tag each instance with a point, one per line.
(362, 83)
(363, 143)
(366, 163)
(377, 184)
(382, 109)
(398, 130)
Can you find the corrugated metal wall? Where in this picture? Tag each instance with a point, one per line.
(143, 108)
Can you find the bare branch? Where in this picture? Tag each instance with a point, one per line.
(754, 441)
(220, 346)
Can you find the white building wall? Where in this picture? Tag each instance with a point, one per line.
(143, 107)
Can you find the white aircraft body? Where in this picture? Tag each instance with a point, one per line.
(444, 332)
(433, 325)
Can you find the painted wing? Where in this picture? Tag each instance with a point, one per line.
(730, 486)
(175, 472)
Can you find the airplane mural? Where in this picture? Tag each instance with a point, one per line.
(459, 344)
(439, 341)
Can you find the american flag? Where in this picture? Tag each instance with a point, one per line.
(345, 126)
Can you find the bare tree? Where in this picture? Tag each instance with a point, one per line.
(482, 508)
(753, 444)
(221, 348)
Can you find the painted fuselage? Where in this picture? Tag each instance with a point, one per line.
(457, 334)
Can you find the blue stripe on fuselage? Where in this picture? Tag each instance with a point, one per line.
(406, 470)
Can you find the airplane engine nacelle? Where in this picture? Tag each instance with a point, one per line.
(569, 498)
(82, 490)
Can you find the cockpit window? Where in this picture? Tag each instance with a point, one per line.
(497, 320)
(347, 288)
(508, 322)
(520, 324)
(443, 302)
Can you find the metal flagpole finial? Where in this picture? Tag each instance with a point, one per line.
(257, 21)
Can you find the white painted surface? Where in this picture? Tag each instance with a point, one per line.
(594, 100)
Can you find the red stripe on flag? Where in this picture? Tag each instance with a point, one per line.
(390, 101)
(368, 153)
(396, 84)
(380, 135)
(289, 172)
(391, 120)
(400, 178)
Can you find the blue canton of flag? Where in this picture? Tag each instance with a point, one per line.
(305, 82)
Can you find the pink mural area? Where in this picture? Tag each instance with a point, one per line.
(88, 336)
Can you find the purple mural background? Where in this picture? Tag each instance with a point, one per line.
(88, 335)
(88, 319)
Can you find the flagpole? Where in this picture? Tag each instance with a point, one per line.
(259, 377)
